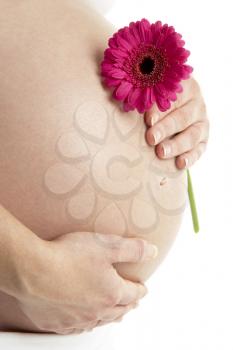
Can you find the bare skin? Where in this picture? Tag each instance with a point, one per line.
(70, 159)
(182, 131)
(95, 295)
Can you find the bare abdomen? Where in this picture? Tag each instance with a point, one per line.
(70, 159)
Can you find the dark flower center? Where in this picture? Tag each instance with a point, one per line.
(147, 65)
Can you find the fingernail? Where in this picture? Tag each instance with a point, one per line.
(153, 120)
(186, 162)
(166, 150)
(157, 136)
(151, 251)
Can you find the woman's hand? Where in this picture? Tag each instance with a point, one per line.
(183, 130)
(72, 285)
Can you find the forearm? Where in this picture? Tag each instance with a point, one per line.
(17, 253)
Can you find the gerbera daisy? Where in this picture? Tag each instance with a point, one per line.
(144, 63)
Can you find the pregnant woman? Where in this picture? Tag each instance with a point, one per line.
(83, 193)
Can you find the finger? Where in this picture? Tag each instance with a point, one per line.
(183, 142)
(119, 319)
(174, 122)
(132, 250)
(124, 292)
(190, 88)
(115, 313)
(189, 158)
(131, 292)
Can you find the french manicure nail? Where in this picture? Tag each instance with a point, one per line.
(153, 120)
(157, 136)
(166, 150)
(151, 251)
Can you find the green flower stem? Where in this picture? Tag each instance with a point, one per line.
(192, 204)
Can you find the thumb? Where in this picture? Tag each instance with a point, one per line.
(132, 250)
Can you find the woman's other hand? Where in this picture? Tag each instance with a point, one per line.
(182, 131)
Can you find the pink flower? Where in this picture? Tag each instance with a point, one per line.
(144, 63)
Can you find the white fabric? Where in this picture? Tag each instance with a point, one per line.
(101, 338)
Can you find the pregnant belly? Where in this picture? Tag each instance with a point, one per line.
(70, 159)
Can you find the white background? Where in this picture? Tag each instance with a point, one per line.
(189, 304)
(190, 300)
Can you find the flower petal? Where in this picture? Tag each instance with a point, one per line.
(180, 55)
(123, 90)
(182, 70)
(188, 69)
(117, 73)
(141, 101)
(122, 42)
(112, 43)
(172, 96)
(112, 82)
(180, 88)
(153, 95)
(156, 32)
(147, 99)
(143, 26)
(163, 104)
(133, 96)
(134, 31)
(130, 37)
(119, 53)
(170, 85)
(161, 90)
(127, 107)
(126, 44)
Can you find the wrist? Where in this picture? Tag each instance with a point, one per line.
(20, 255)
(22, 262)
(30, 266)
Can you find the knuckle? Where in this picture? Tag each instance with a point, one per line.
(109, 241)
(113, 241)
(140, 249)
(91, 317)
